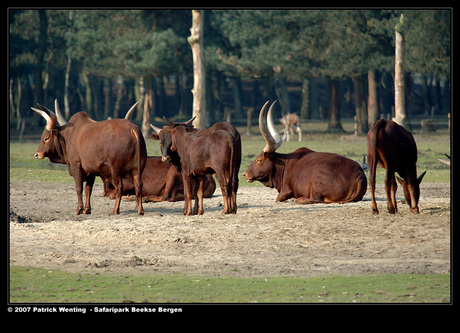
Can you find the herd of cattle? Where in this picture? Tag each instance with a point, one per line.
(115, 150)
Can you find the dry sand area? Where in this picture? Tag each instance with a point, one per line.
(265, 238)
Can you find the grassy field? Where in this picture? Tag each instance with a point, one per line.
(431, 146)
(37, 285)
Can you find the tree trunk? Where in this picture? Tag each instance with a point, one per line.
(372, 98)
(139, 92)
(88, 95)
(305, 110)
(400, 107)
(360, 104)
(66, 88)
(236, 89)
(334, 124)
(40, 54)
(148, 106)
(283, 95)
(67, 73)
(199, 87)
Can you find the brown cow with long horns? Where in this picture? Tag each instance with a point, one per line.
(306, 175)
(112, 149)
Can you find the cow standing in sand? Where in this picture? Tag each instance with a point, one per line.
(393, 147)
(201, 152)
(306, 175)
(112, 149)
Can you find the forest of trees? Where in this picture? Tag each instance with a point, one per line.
(322, 64)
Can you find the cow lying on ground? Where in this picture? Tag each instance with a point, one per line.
(112, 149)
(160, 182)
(306, 175)
(393, 147)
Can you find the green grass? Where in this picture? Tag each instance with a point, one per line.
(38, 285)
(24, 166)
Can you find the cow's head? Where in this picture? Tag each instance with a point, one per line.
(164, 135)
(50, 145)
(262, 168)
(412, 192)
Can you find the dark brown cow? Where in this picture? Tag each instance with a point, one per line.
(171, 156)
(112, 149)
(160, 182)
(393, 147)
(304, 174)
(203, 152)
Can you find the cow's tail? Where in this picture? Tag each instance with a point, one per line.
(231, 200)
(141, 152)
(372, 142)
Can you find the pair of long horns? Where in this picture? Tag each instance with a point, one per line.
(186, 124)
(268, 130)
(51, 117)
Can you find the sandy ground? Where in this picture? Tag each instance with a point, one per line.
(265, 238)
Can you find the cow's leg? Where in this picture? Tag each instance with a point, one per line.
(118, 184)
(187, 195)
(88, 189)
(198, 189)
(389, 186)
(76, 172)
(224, 188)
(372, 170)
(285, 193)
(138, 188)
(394, 187)
(305, 200)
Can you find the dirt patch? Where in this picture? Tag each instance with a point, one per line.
(265, 238)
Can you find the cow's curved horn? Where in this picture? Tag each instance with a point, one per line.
(169, 122)
(156, 129)
(269, 132)
(49, 116)
(188, 122)
(60, 118)
(131, 111)
(271, 127)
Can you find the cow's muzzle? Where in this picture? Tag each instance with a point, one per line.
(166, 159)
(248, 178)
(39, 155)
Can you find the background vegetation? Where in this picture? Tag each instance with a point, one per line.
(102, 61)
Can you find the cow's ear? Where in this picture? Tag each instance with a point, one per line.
(168, 129)
(154, 136)
(268, 156)
(419, 179)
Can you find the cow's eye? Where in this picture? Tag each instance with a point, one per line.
(46, 139)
